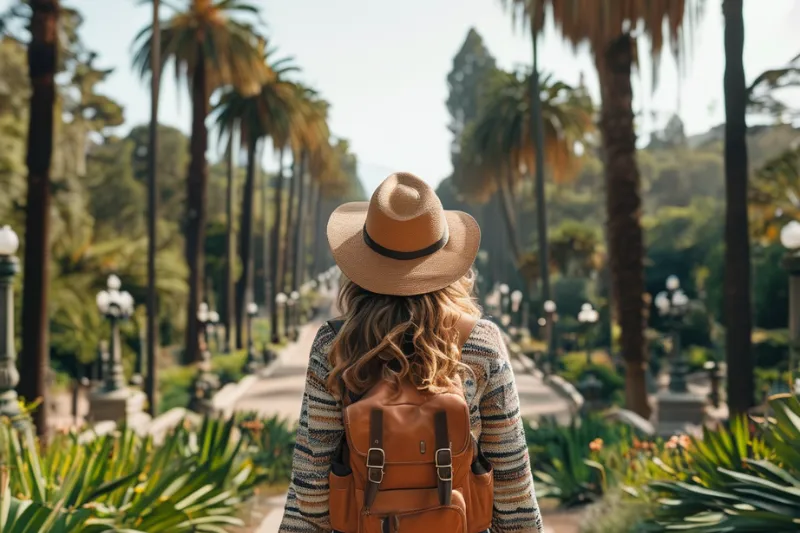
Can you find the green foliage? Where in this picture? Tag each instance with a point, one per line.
(560, 457)
(743, 479)
(270, 445)
(575, 370)
(195, 481)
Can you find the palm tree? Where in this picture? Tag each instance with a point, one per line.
(497, 150)
(42, 61)
(738, 323)
(268, 112)
(606, 27)
(230, 242)
(151, 380)
(210, 48)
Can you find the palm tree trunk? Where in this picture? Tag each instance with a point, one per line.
(269, 299)
(623, 206)
(510, 220)
(197, 189)
(318, 236)
(288, 254)
(536, 123)
(299, 243)
(229, 315)
(151, 378)
(738, 321)
(42, 61)
(275, 244)
(246, 242)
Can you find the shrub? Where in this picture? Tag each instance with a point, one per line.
(270, 444)
(742, 480)
(124, 482)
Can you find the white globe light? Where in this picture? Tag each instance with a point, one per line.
(126, 302)
(586, 307)
(542, 322)
(504, 289)
(679, 299)
(114, 282)
(662, 302)
(202, 313)
(550, 306)
(252, 308)
(790, 235)
(516, 296)
(295, 295)
(673, 283)
(593, 316)
(103, 301)
(9, 242)
(280, 298)
(505, 320)
(213, 316)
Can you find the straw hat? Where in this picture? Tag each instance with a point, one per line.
(402, 242)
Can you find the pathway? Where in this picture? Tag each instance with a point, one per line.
(282, 391)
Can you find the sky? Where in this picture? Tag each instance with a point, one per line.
(383, 66)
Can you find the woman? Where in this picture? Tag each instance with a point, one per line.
(409, 325)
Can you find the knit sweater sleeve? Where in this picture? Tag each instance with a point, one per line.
(503, 443)
(319, 432)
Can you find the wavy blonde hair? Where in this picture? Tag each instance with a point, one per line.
(379, 330)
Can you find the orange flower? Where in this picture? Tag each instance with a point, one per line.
(685, 442)
(672, 443)
(596, 445)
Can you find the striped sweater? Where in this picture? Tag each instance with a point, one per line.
(494, 417)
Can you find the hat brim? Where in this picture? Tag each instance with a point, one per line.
(383, 275)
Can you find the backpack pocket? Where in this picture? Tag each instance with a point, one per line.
(448, 518)
(479, 494)
(342, 500)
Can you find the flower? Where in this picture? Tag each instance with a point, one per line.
(596, 445)
(685, 442)
(672, 443)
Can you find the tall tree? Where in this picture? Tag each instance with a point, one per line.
(738, 321)
(230, 244)
(151, 380)
(270, 112)
(497, 151)
(42, 63)
(210, 48)
(606, 27)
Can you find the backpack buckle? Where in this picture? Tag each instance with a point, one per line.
(376, 460)
(444, 464)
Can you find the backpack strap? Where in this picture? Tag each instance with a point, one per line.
(443, 458)
(376, 457)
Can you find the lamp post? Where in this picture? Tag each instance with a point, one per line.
(115, 400)
(280, 301)
(294, 311)
(588, 317)
(673, 304)
(205, 383)
(550, 309)
(504, 298)
(516, 300)
(213, 319)
(790, 238)
(116, 306)
(252, 364)
(9, 376)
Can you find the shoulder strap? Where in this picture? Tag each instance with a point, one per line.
(336, 325)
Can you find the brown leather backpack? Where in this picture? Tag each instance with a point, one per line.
(409, 463)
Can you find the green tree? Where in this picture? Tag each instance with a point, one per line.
(268, 113)
(606, 27)
(211, 48)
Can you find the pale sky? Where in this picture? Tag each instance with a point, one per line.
(383, 67)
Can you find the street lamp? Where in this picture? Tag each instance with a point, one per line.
(790, 238)
(280, 301)
(673, 304)
(550, 309)
(213, 319)
(504, 299)
(9, 267)
(588, 317)
(206, 383)
(116, 306)
(252, 358)
(516, 300)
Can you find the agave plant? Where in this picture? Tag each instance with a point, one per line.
(738, 482)
(270, 444)
(122, 482)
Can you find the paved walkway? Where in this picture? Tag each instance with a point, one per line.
(282, 391)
